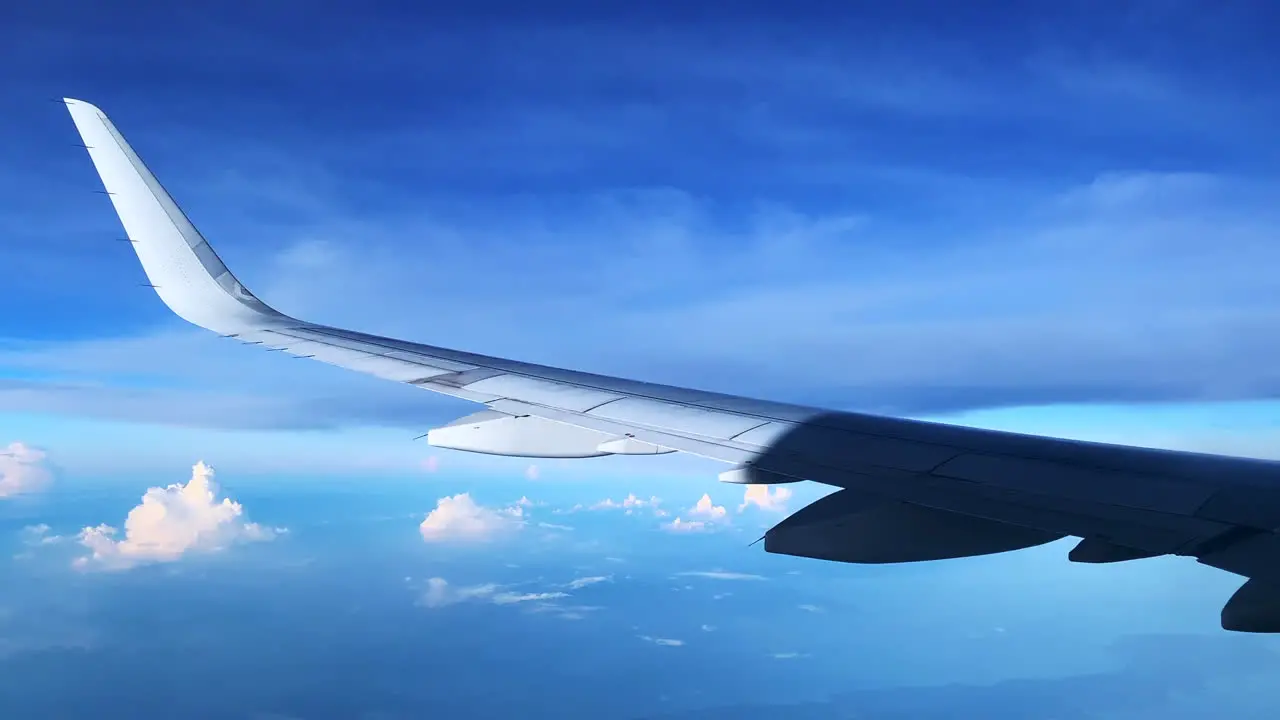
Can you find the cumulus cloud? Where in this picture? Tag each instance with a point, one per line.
(765, 497)
(23, 470)
(705, 513)
(171, 522)
(460, 518)
(532, 472)
(706, 508)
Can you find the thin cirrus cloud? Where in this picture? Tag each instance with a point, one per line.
(169, 523)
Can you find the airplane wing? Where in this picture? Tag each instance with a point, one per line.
(911, 490)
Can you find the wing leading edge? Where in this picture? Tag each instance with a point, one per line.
(912, 490)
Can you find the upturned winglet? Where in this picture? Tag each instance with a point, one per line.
(180, 264)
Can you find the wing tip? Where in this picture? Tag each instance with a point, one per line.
(70, 101)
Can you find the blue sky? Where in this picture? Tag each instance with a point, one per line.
(1046, 217)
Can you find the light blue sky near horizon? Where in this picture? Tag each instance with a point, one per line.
(1055, 218)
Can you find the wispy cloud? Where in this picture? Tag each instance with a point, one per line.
(38, 535)
(437, 592)
(582, 582)
(666, 642)
(720, 575)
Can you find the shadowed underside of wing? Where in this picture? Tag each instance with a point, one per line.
(912, 490)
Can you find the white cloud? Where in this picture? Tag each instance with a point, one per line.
(532, 472)
(554, 526)
(510, 598)
(708, 628)
(171, 522)
(766, 498)
(667, 642)
(811, 608)
(720, 575)
(23, 470)
(458, 517)
(708, 513)
(789, 655)
(629, 504)
(585, 581)
(431, 464)
(440, 593)
(682, 525)
(706, 508)
(564, 612)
